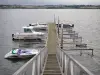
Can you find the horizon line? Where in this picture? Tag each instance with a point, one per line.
(49, 4)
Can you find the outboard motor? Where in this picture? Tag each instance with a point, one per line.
(30, 25)
(72, 25)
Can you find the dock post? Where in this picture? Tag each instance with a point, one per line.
(92, 53)
(61, 36)
(58, 25)
(54, 19)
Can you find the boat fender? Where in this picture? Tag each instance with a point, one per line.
(12, 35)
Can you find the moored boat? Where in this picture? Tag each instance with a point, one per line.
(37, 26)
(21, 53)
(28, 34)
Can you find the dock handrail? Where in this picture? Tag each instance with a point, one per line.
(70, 66)
(81, 49)
(35, 65)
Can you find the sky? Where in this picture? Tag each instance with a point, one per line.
(50, 2)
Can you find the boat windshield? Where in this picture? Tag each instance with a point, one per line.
(27, 30)
(14, 51)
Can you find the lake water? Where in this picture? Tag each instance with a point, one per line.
(86, 21)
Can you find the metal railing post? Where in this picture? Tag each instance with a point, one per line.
(61, 36)
(70, 66)
(63, 63)
(58, 25)
(60, 58)
(36, 67)
(92, 53)
(40, 64)
(33, 68)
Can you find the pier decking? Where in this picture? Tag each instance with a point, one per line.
(52, 38)
(52, 67)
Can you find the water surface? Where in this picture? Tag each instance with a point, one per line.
(87, 23)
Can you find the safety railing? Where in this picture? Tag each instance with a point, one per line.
(70, 66)
(81, 49)
(35, 65)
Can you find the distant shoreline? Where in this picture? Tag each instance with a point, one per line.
(49, 6)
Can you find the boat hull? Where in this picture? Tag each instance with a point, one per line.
(27, 36)
(28, 54)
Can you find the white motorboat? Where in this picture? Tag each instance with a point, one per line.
(37, 26)
(21, 53)
(29, 34)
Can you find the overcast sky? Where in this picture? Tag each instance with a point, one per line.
(46, 2)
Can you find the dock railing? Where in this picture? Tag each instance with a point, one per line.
(70, 66)
(81, 49)
(35, 65)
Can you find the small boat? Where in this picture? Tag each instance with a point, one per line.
(37, 26)
(21, 53)
(28, 34)
(66, 25)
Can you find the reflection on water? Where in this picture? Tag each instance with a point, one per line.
(18, 60)
(28, 44)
